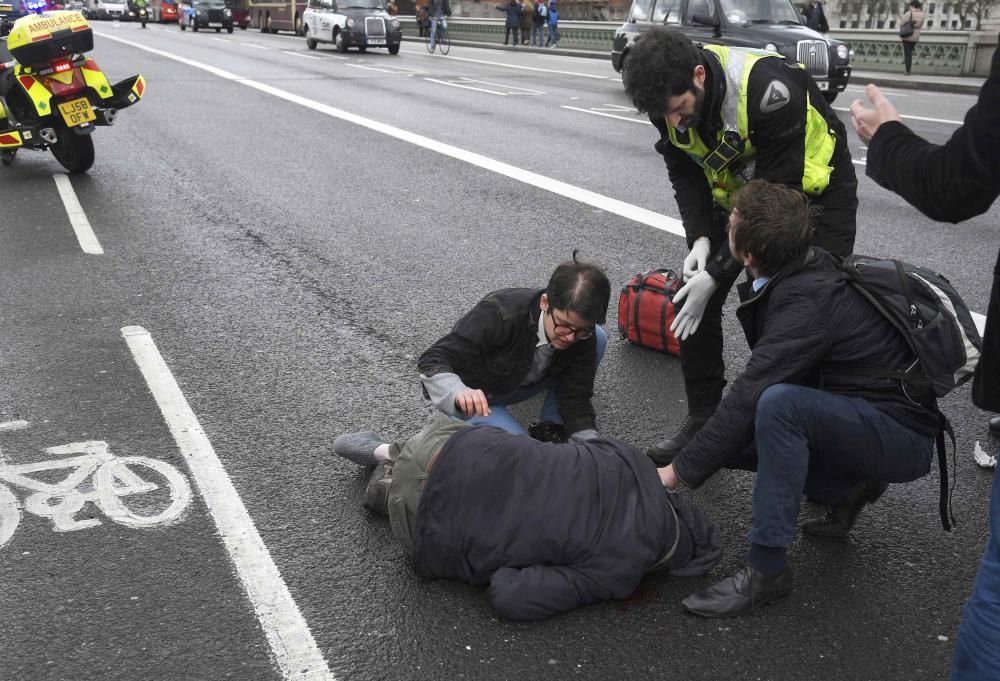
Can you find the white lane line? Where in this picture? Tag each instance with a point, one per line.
(466, 87)
(81, 225)
(513, 66)
(299, 54)
(19, 424)
(632, 119)
(256, 47)
(605, 203)
(372, 68)
(912, 118)
(885, 91)
(221, 40)
(980, 321)
(291, 641)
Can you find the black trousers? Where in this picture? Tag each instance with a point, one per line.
(507, 35)
(908, 54)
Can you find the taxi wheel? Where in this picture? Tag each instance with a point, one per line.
(362, 49)
(338, 40)
(194, 25)
(229, 30)
(298, 26)
(393, 49)
(310, 43)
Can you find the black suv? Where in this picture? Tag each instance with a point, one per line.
(773, 25)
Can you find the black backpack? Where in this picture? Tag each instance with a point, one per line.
(936, 323)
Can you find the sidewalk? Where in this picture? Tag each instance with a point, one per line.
(859, 77)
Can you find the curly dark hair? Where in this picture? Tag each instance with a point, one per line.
(775, 224)
(659, 66)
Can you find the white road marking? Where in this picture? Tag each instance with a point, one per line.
(373, 68)
(19, 424)
(299, 54)
(81, 225)
(885, 91)
(221, 40)
(913, 118)
(515, 66)
(632, 119)
(256, 47)
(291, 641)
(606, 203)
(509, 90)
(466, 87)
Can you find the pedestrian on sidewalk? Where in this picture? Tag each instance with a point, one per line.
(953, 182)
(549, 527)
(553, 25)
(527, 18)
(910, 23)
(513, 23)
(816, 17)
(539, 20)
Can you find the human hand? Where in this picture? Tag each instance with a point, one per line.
(697, 291)
(668, 477)
(866, 121)
(472, 402)
(696, 259)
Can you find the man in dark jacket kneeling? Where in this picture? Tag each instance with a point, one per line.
(797, 414)
(548, 526)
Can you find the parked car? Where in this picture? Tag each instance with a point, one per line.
(774, 26)
(351, 23)
(111, 9)
(195, 14)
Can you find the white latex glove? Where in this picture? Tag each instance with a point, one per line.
(696, 259)
(697, 291)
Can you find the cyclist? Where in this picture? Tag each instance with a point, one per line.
(439, 10)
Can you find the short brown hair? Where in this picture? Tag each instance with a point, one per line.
(775, 224)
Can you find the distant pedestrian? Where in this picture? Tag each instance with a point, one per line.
(513, 23)
(540, 19)
(553, 25)
(910, 23)
(423, 21)
(816, 17)
(527, 18)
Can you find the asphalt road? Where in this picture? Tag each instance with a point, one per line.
(293, 228)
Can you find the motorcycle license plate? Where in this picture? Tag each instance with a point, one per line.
(376, 41)
(77, 112)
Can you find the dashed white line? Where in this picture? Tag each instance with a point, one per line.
(633, 119)
(81, 225)
(256, 47)
(299, 54)
(291, 641)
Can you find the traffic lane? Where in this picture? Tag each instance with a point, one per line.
(35, 221)
(382, 394)
(110, 601)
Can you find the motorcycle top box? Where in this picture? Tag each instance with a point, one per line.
(43, 37)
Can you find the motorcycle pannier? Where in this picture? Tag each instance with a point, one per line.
(41, 38)
(646, 310)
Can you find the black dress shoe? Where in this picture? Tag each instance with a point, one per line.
(664, 451)
(377, 492)
(742, 592)
(839, 520)
(547, 431)
(995, 426)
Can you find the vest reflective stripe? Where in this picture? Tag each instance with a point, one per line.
(819, 145)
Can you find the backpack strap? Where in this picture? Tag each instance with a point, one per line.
(944, 500)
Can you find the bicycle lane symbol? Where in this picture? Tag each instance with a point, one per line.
(94, 475)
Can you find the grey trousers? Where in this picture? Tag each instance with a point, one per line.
(410, 471)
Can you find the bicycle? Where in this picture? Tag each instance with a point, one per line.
(110, 478)
(443, 39)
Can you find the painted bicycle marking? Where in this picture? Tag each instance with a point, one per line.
(94, 475)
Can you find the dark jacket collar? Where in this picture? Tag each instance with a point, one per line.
(749, 297)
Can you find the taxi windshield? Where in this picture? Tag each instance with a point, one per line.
(760, 12)
(361, 4)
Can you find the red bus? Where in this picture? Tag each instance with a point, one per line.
(271, 16)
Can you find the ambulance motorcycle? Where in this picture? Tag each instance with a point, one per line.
(52, 96)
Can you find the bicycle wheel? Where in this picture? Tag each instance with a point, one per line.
(10, 514)
(429, 48)
(114, 480)
(444, 41)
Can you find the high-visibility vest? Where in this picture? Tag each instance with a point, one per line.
(819, 144)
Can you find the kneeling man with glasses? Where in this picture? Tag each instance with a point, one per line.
(518, 342)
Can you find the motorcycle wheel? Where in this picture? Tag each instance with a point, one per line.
(7, 156)
(74, 152)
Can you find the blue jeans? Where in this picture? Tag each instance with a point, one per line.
(434, 29)
(811, 441)
(501, 418)
(553, 35)
(538, 30)
(977, 650)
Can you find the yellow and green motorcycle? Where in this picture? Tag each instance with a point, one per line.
(52, 96)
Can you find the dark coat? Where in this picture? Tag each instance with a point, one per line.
(801, 325)
(953, 182)
(816, 17)
(513, 12)
(492, 346)
(779, 138)
(549, 527)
